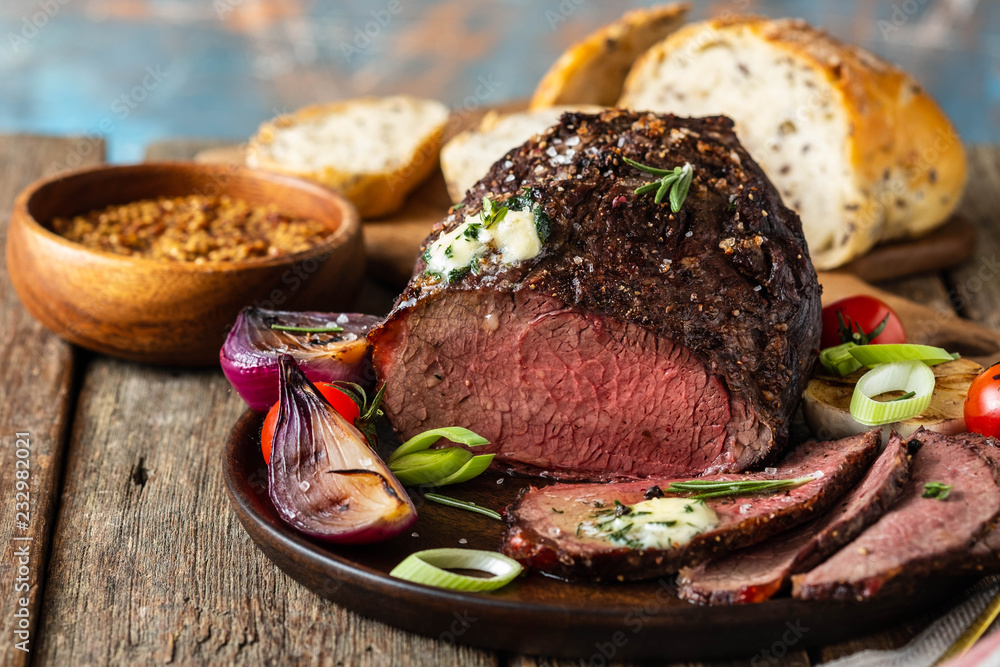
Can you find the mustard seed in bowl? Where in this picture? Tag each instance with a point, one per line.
(194, 228)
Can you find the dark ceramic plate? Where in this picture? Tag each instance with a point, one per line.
(536, 614)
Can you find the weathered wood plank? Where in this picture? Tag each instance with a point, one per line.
(36, 377)
(149, 563)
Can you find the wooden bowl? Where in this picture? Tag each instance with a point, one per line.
(172, 313)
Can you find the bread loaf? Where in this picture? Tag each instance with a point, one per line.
(853, 144)
(372, 150)
(592, 71)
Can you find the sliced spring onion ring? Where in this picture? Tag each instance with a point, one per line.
(873, 355)
(424, 440)
(430, 567)
(906, 376)
(838, 360)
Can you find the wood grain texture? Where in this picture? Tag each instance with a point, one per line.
(150, 565)
(36, 377)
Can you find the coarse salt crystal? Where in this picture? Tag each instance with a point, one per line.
(771, 471)
(500, 481)
(414, 534)
(342, 318)
(510, 177)
(463, 541)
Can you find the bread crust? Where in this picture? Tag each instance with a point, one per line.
(375, 194)
(908, 161)
(593, 70)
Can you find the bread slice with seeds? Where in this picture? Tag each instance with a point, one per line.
(853, 144)
(372, 150)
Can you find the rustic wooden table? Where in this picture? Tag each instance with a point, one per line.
(132, 552)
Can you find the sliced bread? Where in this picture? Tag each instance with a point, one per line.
(853, 144)
(466, 158)
(372, 150)
(593, 70)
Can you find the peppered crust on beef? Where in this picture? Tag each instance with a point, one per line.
(719, 303)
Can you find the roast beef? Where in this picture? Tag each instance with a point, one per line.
(920, 535)
(759, 572)
(984, 556)
(638, 342)
(544, 524)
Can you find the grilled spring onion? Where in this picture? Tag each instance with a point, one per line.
(908, 376)
(846, 358)
(414, 463)
(431, 568)
(838, 360)
(718, 488)
(873, 355)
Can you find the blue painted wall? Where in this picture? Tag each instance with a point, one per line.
(142, 70)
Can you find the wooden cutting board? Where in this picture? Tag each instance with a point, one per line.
(393, 243)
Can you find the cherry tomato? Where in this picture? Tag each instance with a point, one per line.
(347, 408)
(982, 405)
(861, 316)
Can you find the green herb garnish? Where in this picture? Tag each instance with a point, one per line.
(558, 511)
(492, 214)
(307, 330)
(463, 505)
(938, 490)
(715, 489)
(448, 252)
(909, 394)
(673, 182)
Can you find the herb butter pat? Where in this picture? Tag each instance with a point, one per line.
(659, 523)
(499, 234)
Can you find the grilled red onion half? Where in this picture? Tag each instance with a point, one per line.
(323, 478)
(249, 357)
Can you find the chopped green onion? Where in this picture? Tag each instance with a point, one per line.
(873, 355)
(905, 376)
(429, 466)
(430, 567)
(424, 440)
(938, 490)
(463, 505)
(838, 360)
(736, 487)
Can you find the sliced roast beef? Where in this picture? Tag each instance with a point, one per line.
(984, 556)
(636, 341)
(757, 573)
(559, 530)
(920, 535)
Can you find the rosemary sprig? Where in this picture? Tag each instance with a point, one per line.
(938, 490)
(308, 330)
(907, 395)
(673, 182)
(463, 505)
(716, 489)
